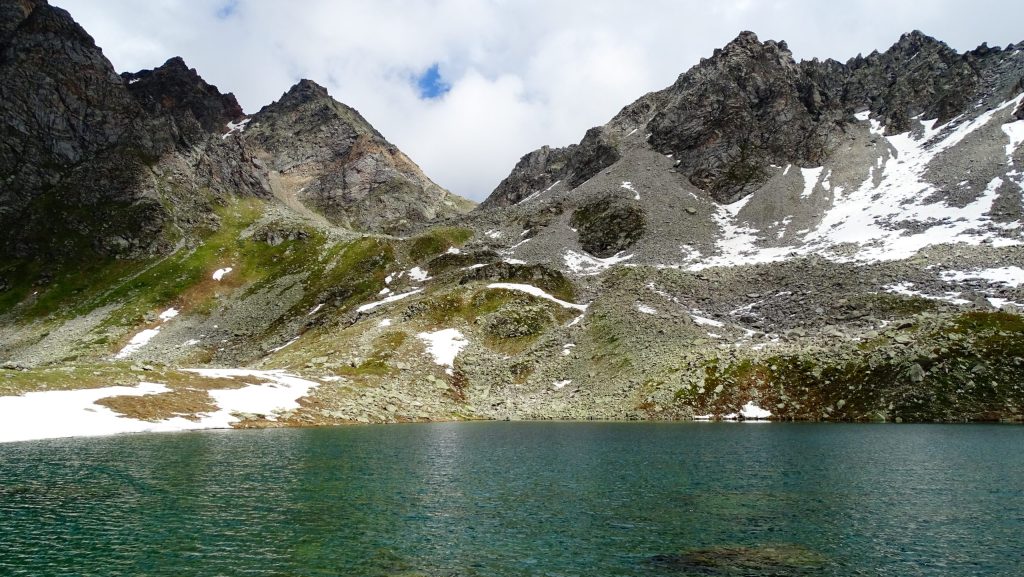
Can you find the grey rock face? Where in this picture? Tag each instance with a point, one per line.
(917, 75)
(329, 157)
(750, 106)
(608, 226)
(734, 114)
(542, 168)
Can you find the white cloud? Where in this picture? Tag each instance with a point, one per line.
(522, 73)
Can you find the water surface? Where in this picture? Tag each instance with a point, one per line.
(511, 499)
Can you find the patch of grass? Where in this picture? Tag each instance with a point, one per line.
(447, 261)
(438, 240)
(385, 348)
(97, 375)
(143, 285)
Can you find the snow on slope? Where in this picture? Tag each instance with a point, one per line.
(444, 346)
(537, 292)
(55, 414)
(866, 217)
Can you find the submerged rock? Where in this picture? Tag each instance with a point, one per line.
(775, 560)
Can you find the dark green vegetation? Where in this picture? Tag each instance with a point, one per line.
(75, 288)
(960, 368)
(436, 241)
(552, 281)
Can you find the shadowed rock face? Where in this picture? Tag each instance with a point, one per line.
(734, 114)
(74, 142)
(177, 90)
(608, 226)
(749, 106)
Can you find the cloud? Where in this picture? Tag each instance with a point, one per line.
(518, 74)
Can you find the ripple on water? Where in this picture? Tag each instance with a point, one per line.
(510, 499)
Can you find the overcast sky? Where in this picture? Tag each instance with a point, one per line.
(466, 87)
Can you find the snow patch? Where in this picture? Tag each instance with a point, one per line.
(538, 193)
(281, 347)
(704, 321)
(390, 299)
(444, 346)
(537, 292)
(646, 309)
(811, 176)
(1008, 275)
(629, 186)
(168, 314)
(904, 288)
(138, 341)
(234, 127)
(586, 265)
(55, 414)
(419, 275)
(1015, 132)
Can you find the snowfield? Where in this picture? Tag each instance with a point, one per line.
(55, 414)
(867, 217)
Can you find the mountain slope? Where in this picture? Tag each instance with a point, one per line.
(127, 166)
(813, 240)
(327, 156)
(751, 156)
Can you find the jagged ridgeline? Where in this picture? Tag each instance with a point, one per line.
(764, 237)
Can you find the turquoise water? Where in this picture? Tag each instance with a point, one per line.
(510, 499)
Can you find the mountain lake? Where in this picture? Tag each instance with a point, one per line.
(518, 499)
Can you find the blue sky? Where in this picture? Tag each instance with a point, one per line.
(466, 87)
(431, 84)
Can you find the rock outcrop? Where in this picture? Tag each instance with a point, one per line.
(175, 89)
(75, 143)
(327, 156)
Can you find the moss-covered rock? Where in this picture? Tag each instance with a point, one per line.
(608, 226)
(512, 322)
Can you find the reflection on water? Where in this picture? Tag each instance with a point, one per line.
(514, 499)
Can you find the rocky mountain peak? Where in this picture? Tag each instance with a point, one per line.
(176, 89)
(750, 106)
(328, 157)
(305, 90)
